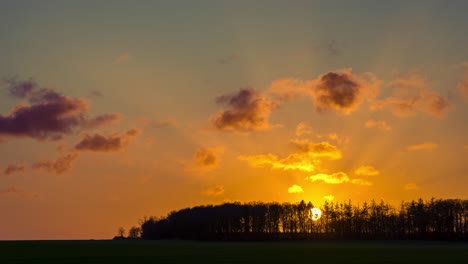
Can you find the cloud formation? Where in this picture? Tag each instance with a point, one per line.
(329, 197)
(339, 91)
(412, 95)
(295, 189)
(307, 157)
(59, 166)
(423, 146)
(205, 160)
(215, 190)
(378, 124)
(248, 111)
(100, 143)
(337, 178)
(303, 129)
(48, 115)
(366, 171)
(11, 169)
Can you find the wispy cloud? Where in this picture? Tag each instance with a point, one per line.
(124, 57)
(329, 197)
(337, 178)
(59, 166)
(205, 160)
(366, 171)
(423, 146)
(303, 129)
(412, 95)
(377, 124)
(215, 190)
(295, 189)
(11, 169)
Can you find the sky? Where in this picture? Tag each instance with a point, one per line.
(111, 111)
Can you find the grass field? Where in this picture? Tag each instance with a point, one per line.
(232, 252)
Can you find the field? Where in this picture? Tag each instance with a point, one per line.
(232, 252)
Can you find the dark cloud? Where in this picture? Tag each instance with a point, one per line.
(340, 91)
(49, 114)
(96, 93)
(249, 111)
(20, 89)
(11, 169)
(100, 143)
(59, 166)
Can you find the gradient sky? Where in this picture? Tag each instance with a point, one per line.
(115, 110)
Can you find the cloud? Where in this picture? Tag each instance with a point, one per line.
(463, 84)
(295, 189)
(317, 150)
(228, 59)
(20, 89)
(333, 48)
(49, 114)
(423, 146)
(205, 159)
(100, 143)
(340, 91)
(11, 190)
(123, 57)
(366, 171)
(361, 182)
(248, 111)
(337, 178)
(412, 95)
(103, 120)
(303, 129)
(306, 159)
(11, 169)
(96, 93)
(329, 197)
(411, 186)
(378, 124)
(59, 166)
(215, 190)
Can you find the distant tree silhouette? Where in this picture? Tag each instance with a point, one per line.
(435, 219)
(134, 232)
(121, 232)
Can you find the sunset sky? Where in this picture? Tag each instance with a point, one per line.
(115, 110)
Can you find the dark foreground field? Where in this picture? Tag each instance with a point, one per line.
(232, 252)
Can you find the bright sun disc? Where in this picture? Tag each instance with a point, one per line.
(316, 214)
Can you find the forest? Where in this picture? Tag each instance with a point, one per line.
(436, 219)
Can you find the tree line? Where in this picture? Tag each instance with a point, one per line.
(436, 219)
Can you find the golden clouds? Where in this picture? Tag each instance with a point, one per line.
(377, 124)
(303, 129)
(337, 178)
(306, 159)
(334, 178)
(329, 197)
(367, 171)
(295, 189)
(423, 146)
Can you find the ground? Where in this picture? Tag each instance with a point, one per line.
(232, 252)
